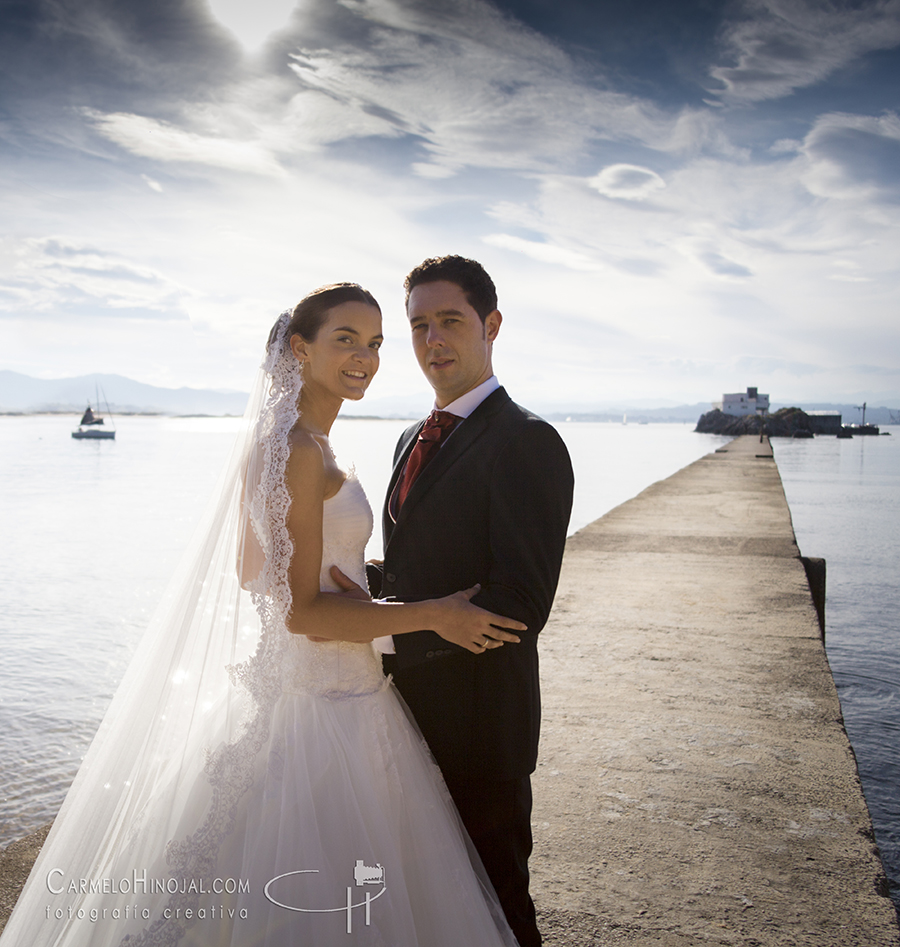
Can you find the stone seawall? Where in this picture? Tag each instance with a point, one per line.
(696, 784)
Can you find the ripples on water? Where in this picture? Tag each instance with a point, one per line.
(93, 529)
(91, 532)
(844, 497)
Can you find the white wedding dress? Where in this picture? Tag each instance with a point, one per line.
(347, 804)
(346, 835)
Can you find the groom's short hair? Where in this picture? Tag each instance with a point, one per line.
(469, 275)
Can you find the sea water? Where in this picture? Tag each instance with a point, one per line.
(844, 497)
(92, 531)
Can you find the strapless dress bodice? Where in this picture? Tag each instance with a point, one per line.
(337, 669)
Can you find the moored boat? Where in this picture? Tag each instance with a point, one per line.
(89, 427)
(862, 428)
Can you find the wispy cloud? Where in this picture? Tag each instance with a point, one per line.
(47, 275)
(162, 141)
(627, 182)
(478, 89)
(854, 156)
(722, 265)
(783, 45)
(459, 84)
(765, 365)
(542, 252)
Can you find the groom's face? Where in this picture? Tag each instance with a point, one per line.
(452, 344)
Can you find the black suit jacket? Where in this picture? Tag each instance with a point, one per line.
(492, 507)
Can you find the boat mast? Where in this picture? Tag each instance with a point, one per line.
(108, 412)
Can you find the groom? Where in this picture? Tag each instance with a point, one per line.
(485, 498)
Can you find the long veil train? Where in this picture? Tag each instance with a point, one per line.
(174, 714)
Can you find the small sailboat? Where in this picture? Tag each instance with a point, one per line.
(89, 426)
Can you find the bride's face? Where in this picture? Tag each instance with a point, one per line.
(343, 357)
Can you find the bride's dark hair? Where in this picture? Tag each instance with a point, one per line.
(310, 313)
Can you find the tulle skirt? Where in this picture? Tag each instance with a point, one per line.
(346, 836)
(349, 836)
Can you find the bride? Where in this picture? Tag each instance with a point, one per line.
(256, 780)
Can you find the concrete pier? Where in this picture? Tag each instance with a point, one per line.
(696, 784)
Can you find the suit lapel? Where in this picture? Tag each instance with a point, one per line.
(404, 449)
(459, 442)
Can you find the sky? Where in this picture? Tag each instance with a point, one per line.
(675, 199)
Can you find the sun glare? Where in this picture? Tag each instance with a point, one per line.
(252, 22)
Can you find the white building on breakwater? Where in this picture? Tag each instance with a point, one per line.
(743, 403)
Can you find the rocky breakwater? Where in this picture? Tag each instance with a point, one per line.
(786, 422)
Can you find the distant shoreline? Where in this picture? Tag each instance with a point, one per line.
(572, 418)
(552, 417)
(166, 414)
(115, 414)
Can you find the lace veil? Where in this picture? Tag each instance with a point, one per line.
(192, 711)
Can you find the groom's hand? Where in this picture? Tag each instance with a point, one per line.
(473, 628)
(347, 587)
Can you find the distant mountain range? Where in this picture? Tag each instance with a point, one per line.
(22, 394)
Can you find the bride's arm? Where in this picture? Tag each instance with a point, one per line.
(250, 556)
(338, 617)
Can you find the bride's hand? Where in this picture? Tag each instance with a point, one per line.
(471, 627)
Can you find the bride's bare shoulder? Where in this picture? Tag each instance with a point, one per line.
(306, 464)
(301, 439)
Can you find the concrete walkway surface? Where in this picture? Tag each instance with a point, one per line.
(696, 784)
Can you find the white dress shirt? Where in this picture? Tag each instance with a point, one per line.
(467, 403)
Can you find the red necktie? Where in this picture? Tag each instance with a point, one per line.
(437, 427)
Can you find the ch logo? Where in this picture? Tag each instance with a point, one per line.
(362, 875)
